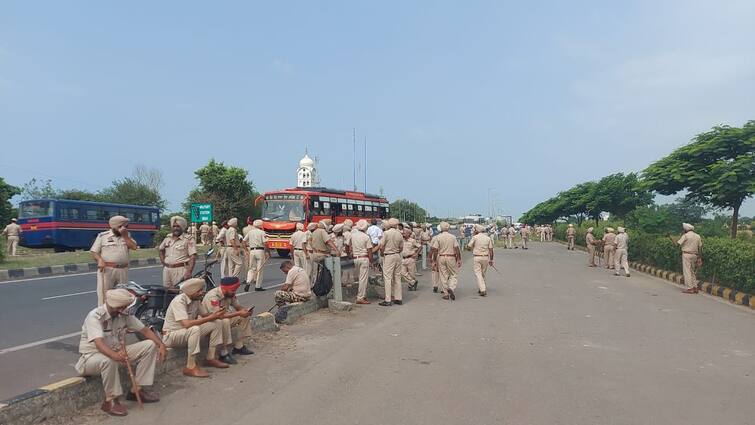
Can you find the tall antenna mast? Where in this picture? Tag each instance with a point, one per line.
(365, 164)
(354, 147)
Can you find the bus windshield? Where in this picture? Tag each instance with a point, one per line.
(274, 210)
(35, 209)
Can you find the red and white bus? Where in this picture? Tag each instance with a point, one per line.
(282, 209)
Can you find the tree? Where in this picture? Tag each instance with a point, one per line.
(79, 195)
(619, 194)
(227, 189)
(131, 191)
(6, 193)
(717, 168)
(407, 211)
(34, 189)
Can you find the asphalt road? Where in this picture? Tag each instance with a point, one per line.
(555, 342)
(36, 315)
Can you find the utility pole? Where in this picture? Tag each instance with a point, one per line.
(354, 146)
(365, 164)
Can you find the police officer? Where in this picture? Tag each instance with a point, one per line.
(111, 251)
(692, 249)
(482, 249)
(571, 234)
(214, 231)
(391, 245)
(435, 275)
(446, 254)
(237, 322)
(309, 251)
(409, 254)
(609, 247)
(361, 253)
(12, 233)
(219, 240)
(590, 243)
(204, 231)
(232, 253)
(323, 246)
(622, 252)
(256, 242)
(192, 231)
(296, 288)
(525, 234)
(299, 246)
(178, 253)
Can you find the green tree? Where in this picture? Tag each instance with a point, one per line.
(717, 168)
(7, 191)
(228, 189)
(408, 211)
(131, 191)
(619, 194)
(38, 189)
(79, 195)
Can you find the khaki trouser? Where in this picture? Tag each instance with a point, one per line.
(237, 331)
(448, 273)
(509, 241)
(590, 255)
(107, 279)
(392, 277)
(542, 236)
(288, 297)
(191, 337)
(233, 262)
(347, 275)
(435, 276)
(203, 238)
(524, 243)
(609, 254)
(480, 268)
(621, 259)
(143, 353)
(223, 261)
(11, 245)
(308, 265)
(362, 269)
(255, 267)
(409, 270)
(316, 260)
(689, 268)
(173, 276)
(300, 259)
(571, 241)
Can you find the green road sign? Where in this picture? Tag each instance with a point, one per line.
(201, 213)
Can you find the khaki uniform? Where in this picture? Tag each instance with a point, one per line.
(192, 232)
(204, 231)
(13, 234)
(446, 244)
(114, 252)
(320, 250)
(622, 252)
(237, 330)
(691, 243)
(347, 274)
(481, 244)
(435, 272)
(175, 335)
(310, 254)
(392, 243)
(255, 240)
(178, 252)
(409, 262)
(525, 233)
(232, 255)
(219, 239)
(214, 232)
(609, 249)
(99, 324)
(571, 233)
(300, 287)
(361, 245)
(589, 240)
(298, 242)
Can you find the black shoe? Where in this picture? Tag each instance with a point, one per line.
(242, 351)
(227, 359)
(483, 293)
(397, 302)
(435, 289)
(451, 294)
(385, 303)
(246, 287)
(259, 289)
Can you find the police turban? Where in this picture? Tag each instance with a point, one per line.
(117, 298)
(233, 222)
(688, 227)
(338, 228)
(117, 221)
(589, 230)
(362, 225)
(393, 222)
(324, 223)
(621, 230)
(257, 223)
(311, 226)
(177, 219)
(444, 226)
(348, 222)
(609, 229)
(299, 226)
(230, 283)
(192, 286)
(479, 227)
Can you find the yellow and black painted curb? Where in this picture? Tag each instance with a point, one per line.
(734, 296)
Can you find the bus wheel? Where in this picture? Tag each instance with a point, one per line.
(283, 253)
(58, 248)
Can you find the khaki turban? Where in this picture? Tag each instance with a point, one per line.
(571, 225)
(428, 225)
(311, 226)
(257, 223)
(299, 226)
(192, 286)
(117, 298)
(609, 229)
(407, 231)
(393, 222)
(177, 219)
(348, 222)
(621, 230)
(338, 228)
(444, 226)
(117, 221)
(479, 227)
(233, 222)
(323, 224)
(362, 225)
(413, 224)
(589, 230)
(688, 227)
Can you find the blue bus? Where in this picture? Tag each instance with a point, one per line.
(67, 225)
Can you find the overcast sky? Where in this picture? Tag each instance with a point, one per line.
(459, 100)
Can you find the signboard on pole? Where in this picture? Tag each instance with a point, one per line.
(201, 213)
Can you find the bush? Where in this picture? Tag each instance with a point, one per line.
(160, 235)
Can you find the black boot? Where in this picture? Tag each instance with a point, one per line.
(243, 351)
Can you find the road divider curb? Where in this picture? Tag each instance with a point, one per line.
(12, 274)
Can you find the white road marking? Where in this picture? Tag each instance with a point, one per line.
(67, 275)
(68, 295)
(37, 343)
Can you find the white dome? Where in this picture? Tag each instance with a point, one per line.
(306, 162)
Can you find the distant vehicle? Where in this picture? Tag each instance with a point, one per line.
(67, 225)
(282, 209)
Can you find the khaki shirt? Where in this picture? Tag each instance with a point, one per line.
(182, 308)
(622, 241)
(690, 242)
(215, 230)
(589, 239)
(248, 228)
(256, 238)
(178, 250)
(299, 281)
(609, 239)
(445, 243)
(480, 244)
(525, 232)
(220, 236)
(320, 240)
(426, 236)
(298, 239)
(392, 242)
(231, 234)
(361, 244)
(308, 240)
(411, 246)
(112, 249)
(12, 229)
(215, 300)
(571, 232)
(204, 229)
(99, 324)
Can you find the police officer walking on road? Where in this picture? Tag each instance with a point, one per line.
(692, 248)
(111, 251)
(256, 241)
(621, 254)
(446, 256)
(232, 254)
(570, 236)
(391, 245)
(178, 253)
(204, 231)
(482, 249)
(13, 233)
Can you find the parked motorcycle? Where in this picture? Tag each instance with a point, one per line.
(152, 301)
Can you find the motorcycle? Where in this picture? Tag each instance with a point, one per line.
(152, 301)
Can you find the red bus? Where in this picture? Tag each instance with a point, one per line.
(282, 209)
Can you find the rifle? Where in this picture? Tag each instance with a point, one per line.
(496, 270)
(134, 385)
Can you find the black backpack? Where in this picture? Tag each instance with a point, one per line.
(323, 283)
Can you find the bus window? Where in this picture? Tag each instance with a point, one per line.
(108, 212)
(140, 217)
(351, 209)
(153, 218)
(129, 214)
(91, 214)
(325, 208)
(35, 209)
(69, 213)
(359, 211)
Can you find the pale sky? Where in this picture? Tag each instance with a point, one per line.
(458, 100)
